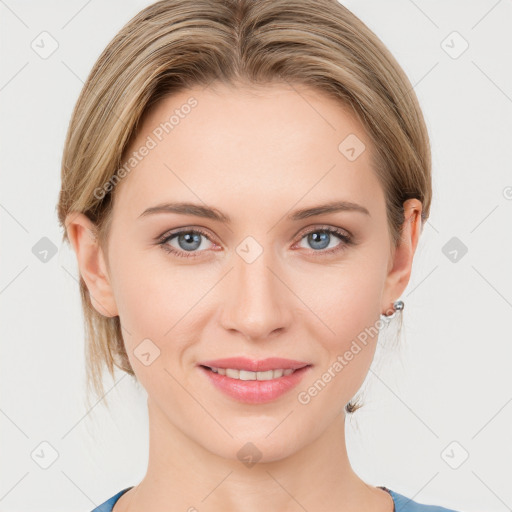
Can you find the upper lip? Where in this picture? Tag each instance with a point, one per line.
(253, 365)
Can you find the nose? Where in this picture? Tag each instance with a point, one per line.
(257, 300)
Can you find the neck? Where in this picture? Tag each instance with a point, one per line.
(183, 475)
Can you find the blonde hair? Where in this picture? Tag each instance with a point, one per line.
(175, 44)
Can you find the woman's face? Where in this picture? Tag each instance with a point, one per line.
(191, 287)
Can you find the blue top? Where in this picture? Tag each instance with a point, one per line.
(402, 504)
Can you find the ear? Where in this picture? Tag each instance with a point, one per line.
(401, 262)
(81, 232)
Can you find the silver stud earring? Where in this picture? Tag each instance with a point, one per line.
(397, 306)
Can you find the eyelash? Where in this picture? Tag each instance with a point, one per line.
(162, 241)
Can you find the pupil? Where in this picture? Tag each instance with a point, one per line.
(321, 238)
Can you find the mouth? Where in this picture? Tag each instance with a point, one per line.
(234, 373)
(254, 382)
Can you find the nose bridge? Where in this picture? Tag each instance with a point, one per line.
(257, 303)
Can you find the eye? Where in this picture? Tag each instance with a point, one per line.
(188, 242)
(322, 238)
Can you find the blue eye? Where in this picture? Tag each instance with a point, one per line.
(320, 239)
(190, 241)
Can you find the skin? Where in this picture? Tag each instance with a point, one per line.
(256, 154)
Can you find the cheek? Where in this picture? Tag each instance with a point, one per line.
(346, 303)
(345, 300)
(151, 294)
(358, 303)
(342, 373)
(146, 301)
(159, 302)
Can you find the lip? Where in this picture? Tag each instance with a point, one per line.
(253, 365)
(255, 391)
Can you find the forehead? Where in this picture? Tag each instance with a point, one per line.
(227, 145)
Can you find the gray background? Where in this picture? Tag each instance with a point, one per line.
(446, 394)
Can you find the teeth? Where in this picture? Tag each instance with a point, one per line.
(247, 375)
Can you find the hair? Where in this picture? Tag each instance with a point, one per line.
(173, 45)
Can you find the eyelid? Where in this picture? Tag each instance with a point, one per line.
(326, 227)
(185, 229)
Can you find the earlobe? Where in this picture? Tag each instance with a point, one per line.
(81, 232)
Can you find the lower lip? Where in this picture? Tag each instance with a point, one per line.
(255, 391)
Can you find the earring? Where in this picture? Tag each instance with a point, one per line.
(397, 306)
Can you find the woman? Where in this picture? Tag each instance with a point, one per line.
(244, 184)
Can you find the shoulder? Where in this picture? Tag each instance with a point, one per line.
(108, 505)
(404, 504)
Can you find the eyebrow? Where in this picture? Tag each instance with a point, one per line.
(215, 214)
